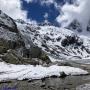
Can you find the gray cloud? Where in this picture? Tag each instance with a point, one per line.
(79, 11)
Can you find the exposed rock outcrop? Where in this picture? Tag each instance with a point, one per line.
(13, 45)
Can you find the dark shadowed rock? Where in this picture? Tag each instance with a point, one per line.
(62, 75)
(69, 40)
(7, 22)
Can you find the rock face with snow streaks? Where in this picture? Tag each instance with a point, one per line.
(58, 42)
(29, 43)
(15, 47)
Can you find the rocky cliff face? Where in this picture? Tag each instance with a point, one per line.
(13, 48)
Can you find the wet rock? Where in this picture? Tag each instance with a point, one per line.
(62, 75)
(54, 76)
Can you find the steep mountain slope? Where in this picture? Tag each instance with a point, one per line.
(13, 48)
(58, 42)
(29, 40)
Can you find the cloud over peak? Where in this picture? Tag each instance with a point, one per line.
(13, 9)
(79, 11)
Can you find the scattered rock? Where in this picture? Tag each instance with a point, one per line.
(71, 40)
(62, 75)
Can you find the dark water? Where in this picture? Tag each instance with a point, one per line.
(68, 83)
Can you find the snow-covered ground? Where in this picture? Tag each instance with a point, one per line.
(20, 72)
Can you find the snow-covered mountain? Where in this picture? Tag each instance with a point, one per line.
(56, 41)
(38, 45)
(62, 43)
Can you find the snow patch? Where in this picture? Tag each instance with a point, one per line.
(20, 72)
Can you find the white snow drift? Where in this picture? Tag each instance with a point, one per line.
(20, 72)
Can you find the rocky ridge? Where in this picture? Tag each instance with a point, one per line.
(12, 45)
